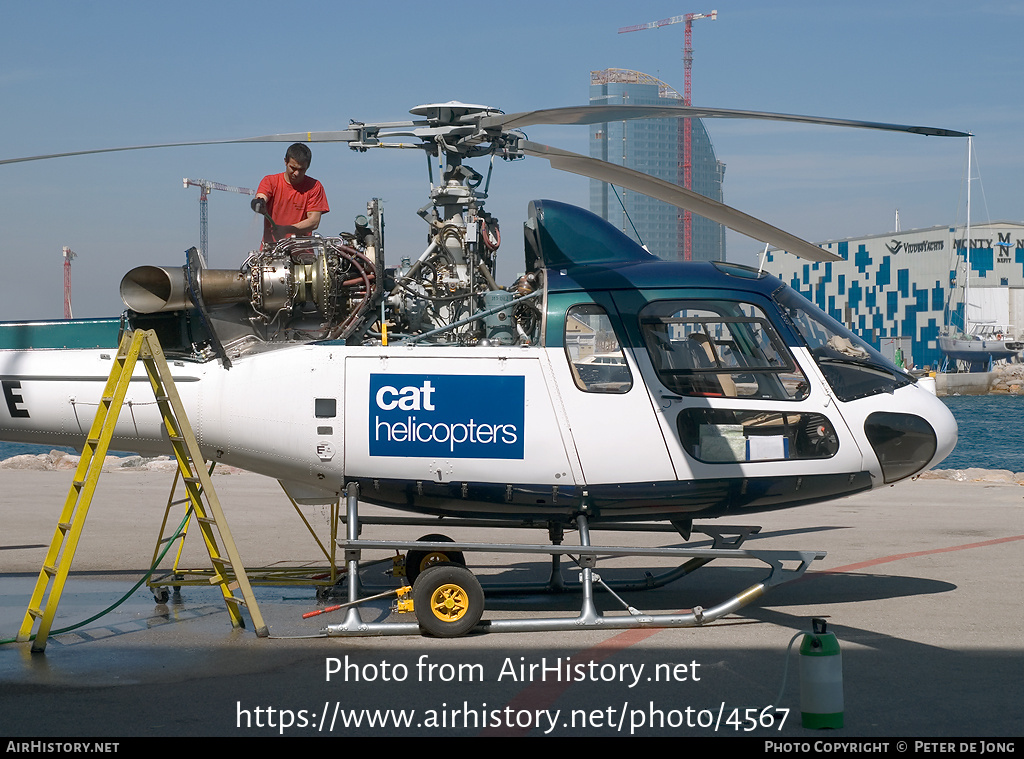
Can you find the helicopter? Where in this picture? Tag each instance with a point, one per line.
(603, 385)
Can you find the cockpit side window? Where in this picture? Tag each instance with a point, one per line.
(592, 349)
(719, 348)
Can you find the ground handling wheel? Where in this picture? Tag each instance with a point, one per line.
(418, 561)
(448, 600)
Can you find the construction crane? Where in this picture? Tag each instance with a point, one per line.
(687, 19)
(68, 255)
(205, 186)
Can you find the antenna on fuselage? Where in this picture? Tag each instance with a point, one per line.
(763, 257)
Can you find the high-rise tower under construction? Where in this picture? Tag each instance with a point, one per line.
(655, 147)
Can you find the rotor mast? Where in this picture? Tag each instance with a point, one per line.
(205, 186)
(688, 20)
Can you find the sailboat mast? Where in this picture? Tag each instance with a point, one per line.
(967, 242)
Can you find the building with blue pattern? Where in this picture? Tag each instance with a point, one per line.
(901, 289)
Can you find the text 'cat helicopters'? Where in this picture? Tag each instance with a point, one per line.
(605, 385)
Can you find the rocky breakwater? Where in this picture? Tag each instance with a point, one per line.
(1007, 379)
(974, 474)
(60, 461)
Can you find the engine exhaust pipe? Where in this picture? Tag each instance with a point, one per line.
(153, 289)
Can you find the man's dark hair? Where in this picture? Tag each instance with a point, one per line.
(299, 153)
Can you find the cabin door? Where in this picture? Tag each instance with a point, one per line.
(616, 433)
(733, 401)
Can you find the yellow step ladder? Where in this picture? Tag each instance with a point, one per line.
(229, 573)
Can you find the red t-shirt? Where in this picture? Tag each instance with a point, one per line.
(289, 205)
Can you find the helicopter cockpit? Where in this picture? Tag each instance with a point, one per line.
(741, 365)
(708, 345)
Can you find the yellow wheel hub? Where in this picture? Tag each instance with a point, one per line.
(449, 603)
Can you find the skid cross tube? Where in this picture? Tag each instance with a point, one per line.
(589, 616)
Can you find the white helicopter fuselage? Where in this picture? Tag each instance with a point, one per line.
(515, 431)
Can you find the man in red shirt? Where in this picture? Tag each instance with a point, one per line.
(294, 201)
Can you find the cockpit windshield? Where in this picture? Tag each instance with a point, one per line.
(852, 368)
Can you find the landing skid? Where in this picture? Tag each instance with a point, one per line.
(722, 537)
(449, 599)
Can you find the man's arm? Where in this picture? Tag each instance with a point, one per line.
(306, 226)
(259, 204)
(264, 189)
(263, 193)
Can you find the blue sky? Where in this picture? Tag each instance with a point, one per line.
(85, 75)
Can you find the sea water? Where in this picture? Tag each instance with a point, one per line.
(991, 434)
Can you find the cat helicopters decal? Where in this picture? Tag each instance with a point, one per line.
(604, 385)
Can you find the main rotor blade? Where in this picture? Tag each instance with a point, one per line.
(596, 114)
(677, 196)
(347, 135)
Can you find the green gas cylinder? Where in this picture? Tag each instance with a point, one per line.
(821, 678)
